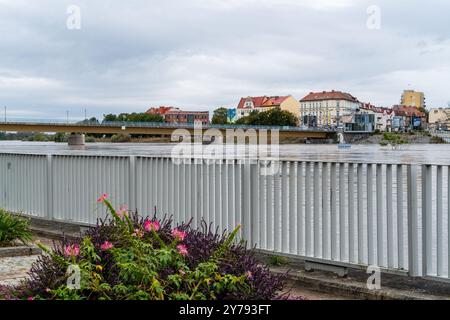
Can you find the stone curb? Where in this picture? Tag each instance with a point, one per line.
(53, 235)
(351, 289)
(19, 251)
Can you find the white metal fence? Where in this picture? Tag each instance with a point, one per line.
(393, 216)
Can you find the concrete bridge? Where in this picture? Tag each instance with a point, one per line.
(151, 128)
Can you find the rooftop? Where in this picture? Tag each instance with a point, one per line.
(329, 95)
(263, 101)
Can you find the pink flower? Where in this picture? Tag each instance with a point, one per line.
(179, 235)
(182, 249)
(103, 197)
(249, 275)
(123, 211)
(30, 298)
(106, 246)
(151, 225)
(138, 233)
(71, 250)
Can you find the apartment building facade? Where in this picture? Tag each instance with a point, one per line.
(326, 108)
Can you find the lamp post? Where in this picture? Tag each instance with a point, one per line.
(5, 114)
(67, 116)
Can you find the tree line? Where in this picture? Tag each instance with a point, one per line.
(272, 117)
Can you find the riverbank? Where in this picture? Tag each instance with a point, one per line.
(421, 137)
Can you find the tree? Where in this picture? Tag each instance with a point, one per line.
(273, 117)
(133, 117)
(109, 117)
(220, 116)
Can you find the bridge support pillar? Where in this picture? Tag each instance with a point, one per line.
(77, 139)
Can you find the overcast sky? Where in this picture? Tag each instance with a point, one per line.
(202, 54)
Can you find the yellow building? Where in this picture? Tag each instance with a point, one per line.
(266, 103)
(413, 98)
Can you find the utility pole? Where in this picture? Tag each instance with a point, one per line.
(67, 115)
(5, 114)
(85, 114)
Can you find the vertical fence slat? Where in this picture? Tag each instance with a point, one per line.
(326, 239)
(270, 212)
(352, 240)
(426, 220)
(333, 206)
(292, 209)
(360, 215)
(284, 208)
(300, 212)
(413, 223)
(308, 211)
(380, 218)
(370, 216)
(342, 213)
(277, 212)
(317, 211)
(400, 218)
(390, 217)
(246, 202)
(255, 204)
(439, 222)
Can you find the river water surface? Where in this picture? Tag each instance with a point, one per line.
(407, 154)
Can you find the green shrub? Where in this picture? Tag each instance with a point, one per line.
(13, 228)
(90, 139)
(118, 138)
(437, 140)
(278, 260)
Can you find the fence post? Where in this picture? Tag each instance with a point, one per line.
(426, 219)
(413, 223)
(246, 203)
(254, 211)
(132, 183)
(49, 200)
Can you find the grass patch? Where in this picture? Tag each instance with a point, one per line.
(278, 261)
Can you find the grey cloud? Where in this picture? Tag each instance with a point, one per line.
(203, 54)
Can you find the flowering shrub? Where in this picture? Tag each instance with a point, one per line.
(132, 257)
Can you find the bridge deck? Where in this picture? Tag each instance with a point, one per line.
(157, 128)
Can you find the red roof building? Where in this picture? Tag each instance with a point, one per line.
(161, 110)
(176, 115)
(265, 103)
(409, 113)
(261, 102)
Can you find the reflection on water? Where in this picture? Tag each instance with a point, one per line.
(416, 153)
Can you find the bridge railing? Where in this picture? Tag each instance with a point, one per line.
(352, 214)
(88, 123)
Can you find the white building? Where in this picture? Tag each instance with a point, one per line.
(325, 109)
